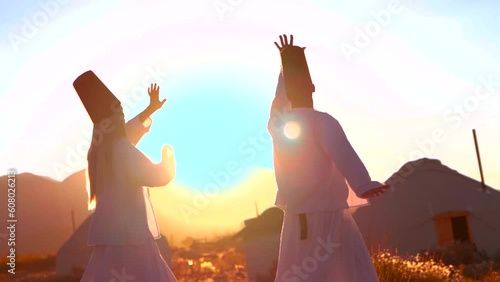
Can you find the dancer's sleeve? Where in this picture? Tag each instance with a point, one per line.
(279, 107)
(335, 143)
(136, 129)
(142, 171)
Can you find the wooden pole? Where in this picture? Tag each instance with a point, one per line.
(479, 159)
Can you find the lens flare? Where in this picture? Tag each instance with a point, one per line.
(292, 130)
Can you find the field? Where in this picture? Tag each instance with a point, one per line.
(224, 261)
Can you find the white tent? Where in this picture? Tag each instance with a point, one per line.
(75, 253)
(431, 205)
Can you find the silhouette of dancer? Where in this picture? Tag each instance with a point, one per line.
(315, 166)
(123, 228)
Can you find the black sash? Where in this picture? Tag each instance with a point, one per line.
(303, 226)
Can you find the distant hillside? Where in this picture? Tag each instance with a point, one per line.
(43, 211)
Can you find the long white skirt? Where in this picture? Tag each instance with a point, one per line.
(334, 250)
(141, 262)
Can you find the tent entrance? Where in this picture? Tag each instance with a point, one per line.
(452, 227)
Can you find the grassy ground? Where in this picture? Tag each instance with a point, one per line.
(390, 268)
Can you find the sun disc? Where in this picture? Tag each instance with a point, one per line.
(292, 130)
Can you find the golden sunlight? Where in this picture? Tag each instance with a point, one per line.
(91, 204)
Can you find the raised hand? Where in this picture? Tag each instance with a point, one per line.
(375, 192)
(154, 97)
(168, 160)
(284, 42)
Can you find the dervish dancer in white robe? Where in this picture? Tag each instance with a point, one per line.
(123, 227)
(315, 167)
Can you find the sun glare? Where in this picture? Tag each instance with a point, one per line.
(292, 130)
(91, 205)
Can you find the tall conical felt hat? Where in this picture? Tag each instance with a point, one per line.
(97, 99)
(295, 69)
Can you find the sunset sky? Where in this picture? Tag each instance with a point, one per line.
(406, 79)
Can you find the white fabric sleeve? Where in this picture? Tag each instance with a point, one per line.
(142, 171)
(334, 142)
(279, 107)
(136, 129)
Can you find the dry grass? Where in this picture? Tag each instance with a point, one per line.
(395, 268)
(390, 268)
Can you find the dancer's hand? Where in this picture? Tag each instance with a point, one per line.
(154, 103)
(154, 97)
(168, 159)
(375, 192)
(284, 42)
(167, 152)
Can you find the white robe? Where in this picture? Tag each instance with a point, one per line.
(318, 174)
(124, 227)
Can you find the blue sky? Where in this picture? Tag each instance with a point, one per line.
(218, 68)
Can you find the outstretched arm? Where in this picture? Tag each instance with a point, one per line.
(154, 102)
(334, 142)
(279, 107)
(142, 171)
(137, 127)
(280, 104)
